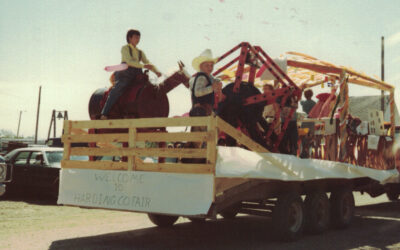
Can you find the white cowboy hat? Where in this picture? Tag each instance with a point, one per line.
(205, 56)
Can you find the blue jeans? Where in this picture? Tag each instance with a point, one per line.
(122, 80)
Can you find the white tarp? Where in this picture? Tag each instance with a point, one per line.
(168, 193)
(192, 194)
(238, 162)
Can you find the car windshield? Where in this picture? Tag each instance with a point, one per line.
(54, 156)
(79, 157)
(11, 154)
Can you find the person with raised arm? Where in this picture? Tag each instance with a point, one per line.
(136, 60)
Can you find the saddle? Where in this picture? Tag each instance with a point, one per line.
(131, 93)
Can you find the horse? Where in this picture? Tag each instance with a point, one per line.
(142, 99)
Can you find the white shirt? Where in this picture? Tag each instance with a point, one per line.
(201, 83)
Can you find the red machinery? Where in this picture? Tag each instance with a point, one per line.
(244, 103)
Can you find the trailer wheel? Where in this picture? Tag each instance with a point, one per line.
(288, 217)
(163, 220)
(229, 215)
(342, 208)
(197, 220)
(392, 195)
(317, 209)
(231, 212)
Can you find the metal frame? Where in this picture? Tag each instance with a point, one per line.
(251, 56)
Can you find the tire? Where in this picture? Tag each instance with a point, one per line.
(162, 220)
(288, 217)
(317, 211)
(197, 220)
(392, 195)
(342, 208)
(230, 213)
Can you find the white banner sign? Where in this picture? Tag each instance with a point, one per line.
(168, 193)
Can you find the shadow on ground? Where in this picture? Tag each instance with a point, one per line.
(32, 199)
(375, 226)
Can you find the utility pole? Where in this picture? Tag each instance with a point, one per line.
(19, 122)
(53, 121)
(37, 115)
(383, 74)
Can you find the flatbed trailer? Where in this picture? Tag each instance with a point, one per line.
(203, 182)
(298, 194)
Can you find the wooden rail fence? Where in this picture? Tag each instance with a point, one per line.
(133, 138)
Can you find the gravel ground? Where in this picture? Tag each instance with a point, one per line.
(38, 224)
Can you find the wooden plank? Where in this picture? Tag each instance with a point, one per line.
(151, 137)
(368, 84)
(212, 148)
(131, 145)
(174, 136)
(96, 138)
(142, 123)
(158, 152)
(151, 167)
(103, 165)
(67, 145)
(212, 143)
(324, 69)
(239, 136)
(175, 168)
(392, 118)
(380, 83)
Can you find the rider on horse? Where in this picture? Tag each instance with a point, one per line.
(133, 57)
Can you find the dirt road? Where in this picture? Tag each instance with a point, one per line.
(40, 225)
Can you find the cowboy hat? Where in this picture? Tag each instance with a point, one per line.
(205, 56)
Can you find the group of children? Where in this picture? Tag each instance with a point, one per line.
(203, 87)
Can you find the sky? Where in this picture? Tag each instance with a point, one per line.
(64, 45)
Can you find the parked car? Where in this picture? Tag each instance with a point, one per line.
(3, 171)
(35, 170)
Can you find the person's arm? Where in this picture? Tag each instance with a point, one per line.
(148, 64)
(200, 88)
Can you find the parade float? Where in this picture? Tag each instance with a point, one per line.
(239, 168)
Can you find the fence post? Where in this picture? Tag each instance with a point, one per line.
(212, 141)
(132, 146)
(67, 144)
(212, 146)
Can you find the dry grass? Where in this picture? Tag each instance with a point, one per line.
(34, 224)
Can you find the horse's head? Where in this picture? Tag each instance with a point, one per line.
(180, 76)
(182, 71)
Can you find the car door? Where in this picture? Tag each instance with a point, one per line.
(36, 170)
(52, 170)
(19, 164)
